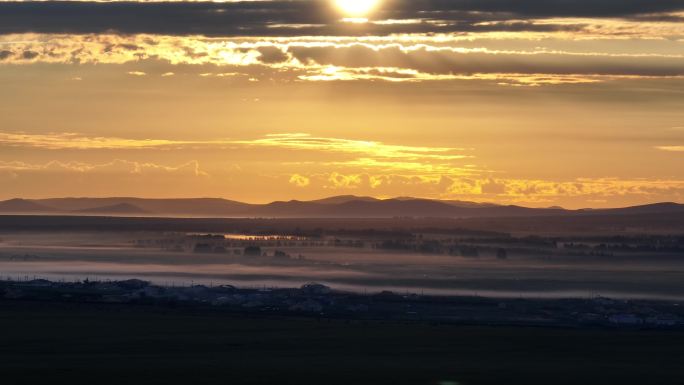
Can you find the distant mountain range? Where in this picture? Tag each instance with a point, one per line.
(346, 206)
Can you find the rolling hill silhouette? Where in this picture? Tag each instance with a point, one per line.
(119, 208)
(23, 206)
(345, 206)
(190, 207)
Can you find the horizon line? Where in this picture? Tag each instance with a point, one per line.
(352, 198)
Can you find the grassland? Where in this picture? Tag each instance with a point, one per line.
(57, 343)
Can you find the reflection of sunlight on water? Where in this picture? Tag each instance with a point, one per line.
(252, 237)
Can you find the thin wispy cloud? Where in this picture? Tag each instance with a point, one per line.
(671, 148)
(67, 140)
(302, 141)
(117, 166)
(427, 162)
(295, 141)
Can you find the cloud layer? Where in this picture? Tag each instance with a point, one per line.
(316, 17)
(387, 105)
(326, 166)
(337, 59)
(116, 166)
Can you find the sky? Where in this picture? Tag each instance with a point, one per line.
(571, 103)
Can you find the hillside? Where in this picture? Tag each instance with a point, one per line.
(346, 206)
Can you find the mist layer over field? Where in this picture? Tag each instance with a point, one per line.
(105, 256)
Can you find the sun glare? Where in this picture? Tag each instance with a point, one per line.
(356, 8)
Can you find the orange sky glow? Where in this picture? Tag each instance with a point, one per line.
(301, 100)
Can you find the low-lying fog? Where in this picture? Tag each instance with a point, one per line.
(112, 256)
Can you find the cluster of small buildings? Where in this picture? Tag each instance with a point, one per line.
(222, 244)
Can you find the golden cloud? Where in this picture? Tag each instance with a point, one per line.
(299, 180)
(671, 148)
(395, 59)
(68, 140)
(303, 141)
(499, 190)
(360, 154)
(117, 166)
(363, 165)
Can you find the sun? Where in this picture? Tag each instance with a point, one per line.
(356, 8)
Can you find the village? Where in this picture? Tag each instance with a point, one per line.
(459, 243)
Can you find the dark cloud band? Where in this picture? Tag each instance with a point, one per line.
(314, 17)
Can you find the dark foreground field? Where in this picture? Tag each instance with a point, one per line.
(52, 343)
